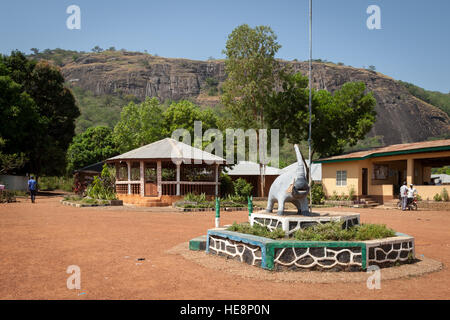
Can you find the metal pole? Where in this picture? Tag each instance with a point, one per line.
(310, 101)
(217, 220)
(250, 206)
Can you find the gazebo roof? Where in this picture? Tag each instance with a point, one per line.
(168, 149)
(316, 170)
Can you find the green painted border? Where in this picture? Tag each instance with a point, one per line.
(270, 248)
(384, 154)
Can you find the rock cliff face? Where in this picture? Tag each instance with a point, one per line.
(401, 117)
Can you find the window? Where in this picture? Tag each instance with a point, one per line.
(341, 178)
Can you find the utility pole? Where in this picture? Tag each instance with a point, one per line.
(310, 103)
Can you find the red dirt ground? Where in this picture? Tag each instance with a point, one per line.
(39, 241)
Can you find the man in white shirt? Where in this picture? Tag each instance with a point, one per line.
(411, 193)
(404, 195)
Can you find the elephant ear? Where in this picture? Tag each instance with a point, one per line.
(291, 186)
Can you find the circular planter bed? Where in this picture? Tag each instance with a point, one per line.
(279, 255)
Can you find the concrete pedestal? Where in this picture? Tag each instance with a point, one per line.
(291, 221)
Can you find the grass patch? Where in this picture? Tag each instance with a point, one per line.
(333, 232)
(257, 230)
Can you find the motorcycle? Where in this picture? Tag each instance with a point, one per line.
(410, 205)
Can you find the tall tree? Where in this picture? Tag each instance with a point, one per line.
(338, 119)
(94, 145)
(139, 124)
(251, 70)
(183, 114)
(52, 131)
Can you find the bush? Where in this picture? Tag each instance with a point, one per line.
(55, 183)
(199, 198)
(226, 185)
(317, 193)
(7, 196)
(257, 230)
(334, 196)
(102, 187)
(444, 195)
(437, 197)
(333, 232)
(242, 188)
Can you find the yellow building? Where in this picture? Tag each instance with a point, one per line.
(379, 173)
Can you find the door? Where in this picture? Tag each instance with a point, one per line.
(151, 187)
(365, 181)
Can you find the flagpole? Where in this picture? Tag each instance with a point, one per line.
(310, 103)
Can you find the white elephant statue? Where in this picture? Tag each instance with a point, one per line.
(291, 186)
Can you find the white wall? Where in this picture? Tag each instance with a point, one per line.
(14, 182)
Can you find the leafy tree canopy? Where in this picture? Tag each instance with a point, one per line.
(139, 124)
(338, 119)
(42, 116)
(94, 145)
(251, 74)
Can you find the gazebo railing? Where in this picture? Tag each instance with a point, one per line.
(197, 187)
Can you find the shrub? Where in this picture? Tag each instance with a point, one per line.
(55, 183)
(226, 185)
(333, 231)
(102, 187)
(257, 230)
(242, 188)
(317, 193)
(444, 195)
(334, 196)
(7, 196)
(352, 193)
(199, 198)
(437, 197)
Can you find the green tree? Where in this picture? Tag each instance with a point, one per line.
(97, 49)
(50, 133)
(183, 114)
(94, 145)
(338, 119)
(252, 73)
(139, 124)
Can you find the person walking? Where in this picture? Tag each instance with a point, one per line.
(32, 188)
(404, 195)
(411, 193)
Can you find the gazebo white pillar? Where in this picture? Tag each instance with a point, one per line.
(129, 176)
(142, 176)
(159, 177)
(178, 178)
(217, 180)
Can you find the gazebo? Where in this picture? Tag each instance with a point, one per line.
(162, 172)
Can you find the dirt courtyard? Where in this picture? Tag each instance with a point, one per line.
(39, 241)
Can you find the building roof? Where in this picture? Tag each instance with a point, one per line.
(444, 178)
(395, 149)
(168, 149)
(248, 168)
(95, 167)
(316, 170)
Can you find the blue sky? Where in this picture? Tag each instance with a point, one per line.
(413, 44)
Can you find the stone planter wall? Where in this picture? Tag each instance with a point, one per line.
(279, 255)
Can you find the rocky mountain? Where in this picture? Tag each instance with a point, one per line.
(401, 117)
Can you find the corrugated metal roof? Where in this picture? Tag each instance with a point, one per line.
(248, 168)
(316, 170)
(392, 149)
(168, 149)
(444, 178)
